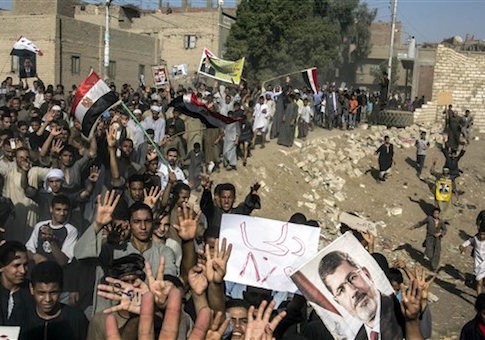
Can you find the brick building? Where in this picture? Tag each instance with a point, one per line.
(183, 32)
(72, 47)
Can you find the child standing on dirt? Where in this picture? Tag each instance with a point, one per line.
(478, 244)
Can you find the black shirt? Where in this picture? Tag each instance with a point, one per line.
(22, 303)
(71, 324)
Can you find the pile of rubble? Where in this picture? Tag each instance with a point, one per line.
(325, 161)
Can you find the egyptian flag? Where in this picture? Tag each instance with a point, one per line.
(24, 46)
(193, 107)
(93, 97)
(310, 78)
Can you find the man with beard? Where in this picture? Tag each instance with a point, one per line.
(164, 169)
(226, 198)
(15, 299)
(353, 289)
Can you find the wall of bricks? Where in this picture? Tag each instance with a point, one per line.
(170, 29)
(61, 37)
(43, 33)
(462, 74)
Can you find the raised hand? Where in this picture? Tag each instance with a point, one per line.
(423, 284)
(111, 136)
(128, 295)
(205, 181)
(411, 300)
(158, 287)
(216, 263)
(56, 131)
(255, 187)
(399, 264)
(152, 197)
(172, 178)
(217, 328)
(93, 174)
(187, 226)
(57, 146)
(105, 209)
(197, 279)
(260, 327)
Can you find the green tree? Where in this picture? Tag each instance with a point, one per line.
(281, 36)
(377, 72)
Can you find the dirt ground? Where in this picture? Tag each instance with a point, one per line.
(284, 186)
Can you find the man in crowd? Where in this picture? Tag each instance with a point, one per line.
(352, 288)
(51, 319)
(15, 298)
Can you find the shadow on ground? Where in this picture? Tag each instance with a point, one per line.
(450, 270)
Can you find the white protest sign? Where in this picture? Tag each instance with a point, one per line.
(265, 252)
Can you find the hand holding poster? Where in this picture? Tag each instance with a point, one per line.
(350, 292)
(265, 252)
(160, 76)
(220, 69)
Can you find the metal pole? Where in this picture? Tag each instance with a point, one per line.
(391, 45)
(106, 40)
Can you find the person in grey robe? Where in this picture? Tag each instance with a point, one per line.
(279, 98)
(231, 140)
(196, 159)
(288, 122)
(435, 230)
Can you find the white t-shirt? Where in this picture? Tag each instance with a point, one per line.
(66, 233)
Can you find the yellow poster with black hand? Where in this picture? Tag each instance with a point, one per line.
(443, 190)
(220, 69)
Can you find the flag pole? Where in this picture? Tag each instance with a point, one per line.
(155, 146)
(285, 75)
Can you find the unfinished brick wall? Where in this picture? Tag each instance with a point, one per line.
(462, 74)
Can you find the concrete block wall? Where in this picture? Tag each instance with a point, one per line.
(464, 76)
(171, 30)
(128, 50)
(42, 30)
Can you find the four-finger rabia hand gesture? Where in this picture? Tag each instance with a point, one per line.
(152, 197)
(105, 209)
(158, 287)
(423, 284)
(57, 146)
(259, 326)
(197, 279)
(127, 295)
(93, 174)
(187, 226)
(411, 300)
(216, 262)
(217, 328)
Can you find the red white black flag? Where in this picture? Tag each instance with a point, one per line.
(193, 107)
(93, 97)
(24, 46)
(310, 78)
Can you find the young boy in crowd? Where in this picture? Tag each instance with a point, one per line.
(478, 244)
(50, 319)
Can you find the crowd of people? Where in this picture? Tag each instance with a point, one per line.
(100, 241)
